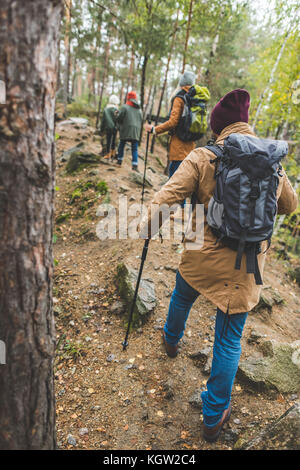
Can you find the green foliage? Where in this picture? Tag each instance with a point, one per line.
(101, 187)
(62, 218)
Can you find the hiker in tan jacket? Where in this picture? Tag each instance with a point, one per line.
(178, 150)
(210, 270)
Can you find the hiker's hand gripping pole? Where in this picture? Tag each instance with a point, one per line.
(144, 255)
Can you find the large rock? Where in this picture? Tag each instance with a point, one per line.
(283, 434)
(67, 153)
(79, 160)
(146, 300)
(269, 297)
(203, 359)
(137, 178)
(277, 370)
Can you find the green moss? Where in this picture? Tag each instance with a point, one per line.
(80, 160)
(62, 218)
(76, 194)
(102, 187)
(159, 161)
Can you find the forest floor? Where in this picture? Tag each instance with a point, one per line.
(111, 399)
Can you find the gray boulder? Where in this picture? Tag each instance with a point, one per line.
(146, 300)
(79, 160)
(283, 434)
(67, 153)
(269, 297)
(276, 371)
(195, 401)
(137, 178)
(203, 359)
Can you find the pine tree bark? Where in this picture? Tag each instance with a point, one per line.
(188, 29)
(104, 76)
(28, 60)
(67, 69)
(166, 78)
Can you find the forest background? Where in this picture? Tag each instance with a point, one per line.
(112, 47)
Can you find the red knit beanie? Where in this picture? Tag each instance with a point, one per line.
(233, 107)
(131, 95)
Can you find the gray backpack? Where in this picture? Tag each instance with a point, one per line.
(243, 208)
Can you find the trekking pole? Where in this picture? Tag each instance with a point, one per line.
(144, 255)
(145, 167)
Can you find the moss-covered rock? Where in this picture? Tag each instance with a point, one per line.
(269, 297)
(126, 279)
(80, 160)
(277, 371)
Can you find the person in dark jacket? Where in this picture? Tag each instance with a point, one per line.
(129, 121)
(109, 127)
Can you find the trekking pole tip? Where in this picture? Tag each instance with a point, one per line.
(124, 344)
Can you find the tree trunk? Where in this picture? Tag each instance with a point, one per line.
(187, 35)
(130, 74)
(104, 75)
(165, 79)
(68, 4)
(210, 61)
(266, 91)
(143, 80)
(28, 59)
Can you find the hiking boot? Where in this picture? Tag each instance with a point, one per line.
(119, 162)
(113, 155)
(171, 350)
(211, 434)
(135, 168)
(107, 156)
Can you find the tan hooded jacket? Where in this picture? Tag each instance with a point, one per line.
(210, 269)
(178, 149)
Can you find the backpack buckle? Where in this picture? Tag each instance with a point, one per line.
(255, 192)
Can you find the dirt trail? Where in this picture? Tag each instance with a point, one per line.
(138, 399)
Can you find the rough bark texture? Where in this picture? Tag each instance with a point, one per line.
(188, 29)
(28, 58)
(104, 76)
(67, 67)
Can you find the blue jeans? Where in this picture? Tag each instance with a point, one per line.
(226, 351)
(134, 151)
(173, 166)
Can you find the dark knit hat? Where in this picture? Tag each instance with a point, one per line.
(233, 107)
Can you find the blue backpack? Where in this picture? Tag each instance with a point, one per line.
(243, 208)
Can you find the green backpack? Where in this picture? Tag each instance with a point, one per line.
(193, 122)
(199, 95)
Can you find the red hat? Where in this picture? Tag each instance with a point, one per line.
(233, 107)
(131, 95)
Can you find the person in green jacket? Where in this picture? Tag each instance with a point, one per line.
(109, 127)
(129, 121)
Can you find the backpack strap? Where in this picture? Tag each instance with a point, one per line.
(252, 262)
(219, 153)
(251, 254)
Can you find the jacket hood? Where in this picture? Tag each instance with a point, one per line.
(133, 102)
